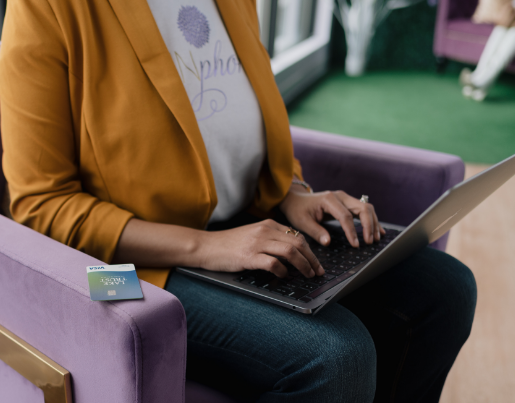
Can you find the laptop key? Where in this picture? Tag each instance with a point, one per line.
(282, 290)
(294, 284)
(332, 261)
(297, 294)
(272, 284)
(254, 282)
(322, 279)
(347, 274)
(334, 272)
(310, 286)
(318, 280)
(342, 267)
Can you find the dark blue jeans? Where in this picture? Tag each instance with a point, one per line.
(393, 340)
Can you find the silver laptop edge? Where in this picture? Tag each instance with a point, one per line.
(443, 214)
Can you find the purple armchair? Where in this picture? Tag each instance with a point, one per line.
(135, 351)
(456, 36)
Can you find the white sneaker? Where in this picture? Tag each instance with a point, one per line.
(476, 93)
(466, 77)
(467, 91)
(479, 94)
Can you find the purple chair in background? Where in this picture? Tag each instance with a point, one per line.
(135, 351)
(456, 36)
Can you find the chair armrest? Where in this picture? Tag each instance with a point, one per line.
(400, 181)
(121, 351)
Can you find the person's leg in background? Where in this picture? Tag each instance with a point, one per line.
(257, 351)
(498, 61)
(498, 53)
(419, 314)
(492, 43)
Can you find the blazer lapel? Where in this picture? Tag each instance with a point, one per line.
(140, 27)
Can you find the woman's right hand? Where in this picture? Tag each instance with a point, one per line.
(258, 246)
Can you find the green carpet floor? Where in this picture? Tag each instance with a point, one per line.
(419, 109)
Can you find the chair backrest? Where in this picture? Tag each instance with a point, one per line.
(462, 8)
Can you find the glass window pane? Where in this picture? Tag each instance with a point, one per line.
(294, 23)
(264, 9)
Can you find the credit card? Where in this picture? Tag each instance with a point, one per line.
(113, 282)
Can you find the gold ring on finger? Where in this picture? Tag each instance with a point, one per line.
(293, 231)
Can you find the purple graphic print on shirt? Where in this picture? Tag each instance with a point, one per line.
(194, 26)
(195, 29)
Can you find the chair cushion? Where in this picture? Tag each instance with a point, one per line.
(462, 8)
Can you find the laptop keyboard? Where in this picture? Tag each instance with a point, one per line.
(339, 260)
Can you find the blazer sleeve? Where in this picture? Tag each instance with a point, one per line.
(40, 154)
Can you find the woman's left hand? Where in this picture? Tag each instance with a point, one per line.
(306, 210)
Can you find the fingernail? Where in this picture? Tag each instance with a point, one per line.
(356, 241)
(324, 239)
(311, 273)
(321, 270)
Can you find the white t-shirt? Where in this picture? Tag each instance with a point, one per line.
(226, 107)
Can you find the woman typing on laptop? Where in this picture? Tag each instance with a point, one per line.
(132, 126)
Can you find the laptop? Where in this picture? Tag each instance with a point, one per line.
(348, 268)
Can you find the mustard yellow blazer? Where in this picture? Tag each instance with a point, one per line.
(97, 126)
